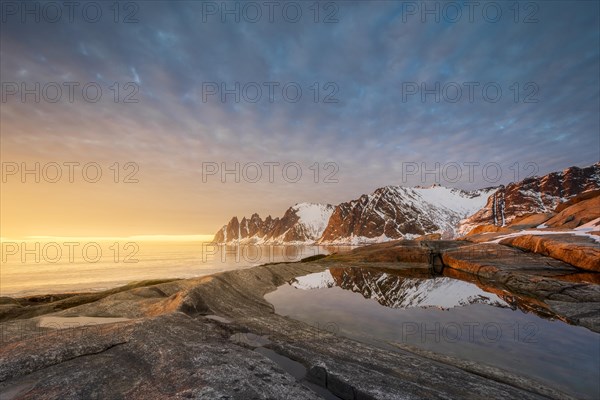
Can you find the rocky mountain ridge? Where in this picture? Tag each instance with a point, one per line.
(533, 195)
(396, 212)
(302, 223)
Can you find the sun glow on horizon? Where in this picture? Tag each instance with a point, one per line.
(141, 238)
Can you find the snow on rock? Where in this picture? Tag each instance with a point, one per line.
(533, 195)
(465, 203)
(396, 212)
(590, 226)
(583, 230)
(313, 217)
(389, 213)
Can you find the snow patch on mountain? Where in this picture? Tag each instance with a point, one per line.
(313, 217)
(583, 230)
(465, 203)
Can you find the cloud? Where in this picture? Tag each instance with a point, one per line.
(364, 61)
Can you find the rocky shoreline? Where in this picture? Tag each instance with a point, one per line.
(195, 338)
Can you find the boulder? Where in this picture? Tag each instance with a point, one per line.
(581, 212)
(580, 251)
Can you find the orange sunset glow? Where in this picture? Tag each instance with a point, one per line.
(345, 199)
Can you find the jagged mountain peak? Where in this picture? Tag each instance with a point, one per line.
(394, 212)
(301, 223)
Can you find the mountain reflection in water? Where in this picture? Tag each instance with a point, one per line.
(416, 288)
(392, 290)
(458, 315)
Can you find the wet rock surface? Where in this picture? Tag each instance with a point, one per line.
(563, 289)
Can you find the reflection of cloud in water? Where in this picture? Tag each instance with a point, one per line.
(400, 292)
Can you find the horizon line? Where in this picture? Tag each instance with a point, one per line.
(154, 237)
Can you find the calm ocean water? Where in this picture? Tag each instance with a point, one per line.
(67, 266)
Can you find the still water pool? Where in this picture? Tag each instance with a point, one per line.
(448, 316)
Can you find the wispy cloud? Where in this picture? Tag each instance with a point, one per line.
(367, 57)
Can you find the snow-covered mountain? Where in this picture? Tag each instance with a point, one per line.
(395, 212)
(533, 195)
(391, 212)
(302, 223)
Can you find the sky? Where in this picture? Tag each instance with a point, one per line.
(140, 108)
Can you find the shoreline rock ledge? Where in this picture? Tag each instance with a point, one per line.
(176, 340)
